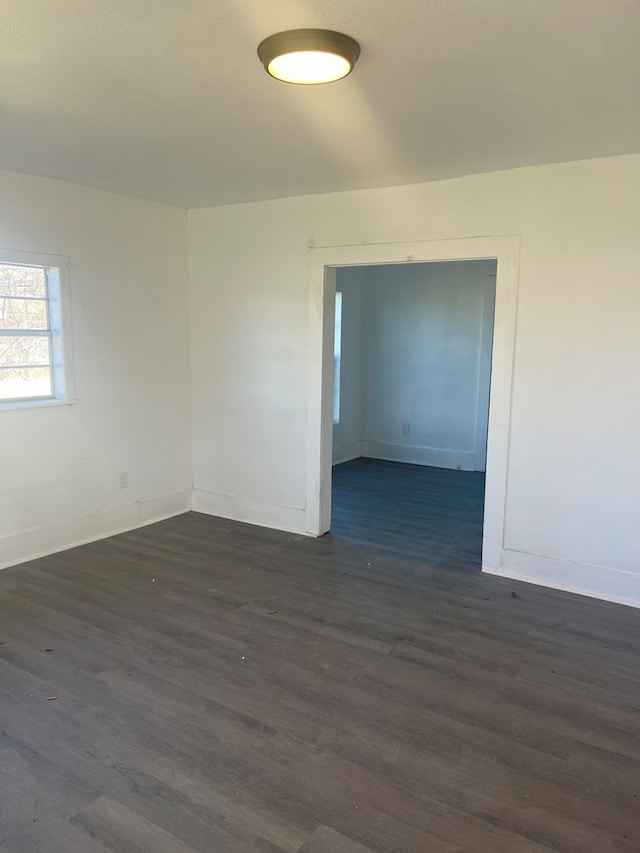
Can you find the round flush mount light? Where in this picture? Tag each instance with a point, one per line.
(309, 57)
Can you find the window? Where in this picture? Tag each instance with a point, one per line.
(337, 348)
(34, 366)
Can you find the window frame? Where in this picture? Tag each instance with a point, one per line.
(337, 356)
(59, 333)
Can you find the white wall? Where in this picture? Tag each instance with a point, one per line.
(571, 513)
(59, 466)
(423, 361)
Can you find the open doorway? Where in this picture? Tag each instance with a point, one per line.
(412, 367)
(324, 264)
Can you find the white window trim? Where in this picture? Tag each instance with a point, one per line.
(59, 301)
(337, 358)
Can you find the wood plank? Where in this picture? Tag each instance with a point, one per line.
(234, 688)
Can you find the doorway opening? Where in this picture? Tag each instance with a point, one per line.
(325, 264)
(412, 367)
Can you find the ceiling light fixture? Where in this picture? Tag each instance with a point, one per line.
(309, 57)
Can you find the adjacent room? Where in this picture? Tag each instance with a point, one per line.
(411, 377)
(318, 427)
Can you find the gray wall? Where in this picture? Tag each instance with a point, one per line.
(416, 363)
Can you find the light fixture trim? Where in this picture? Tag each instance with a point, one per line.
(307, 44)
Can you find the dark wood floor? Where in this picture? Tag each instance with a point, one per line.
(227, 688)
(411, 510)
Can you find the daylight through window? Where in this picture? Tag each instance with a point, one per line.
(31, 354)
(337, 353)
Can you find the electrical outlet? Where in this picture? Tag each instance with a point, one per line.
(405, 427)
(123, 480)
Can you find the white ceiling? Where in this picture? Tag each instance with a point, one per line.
(166, 99)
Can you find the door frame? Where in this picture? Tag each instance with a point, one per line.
(323, 263)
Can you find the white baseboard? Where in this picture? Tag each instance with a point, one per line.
(433, 456)
(290, 519)
(347, 452)
(68, 533)
(593, 581)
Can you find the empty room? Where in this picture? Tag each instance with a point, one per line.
(318, 427)
(411, 382)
